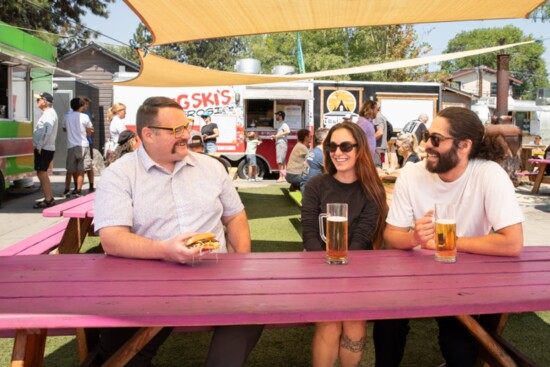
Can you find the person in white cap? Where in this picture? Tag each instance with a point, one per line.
(43, 140)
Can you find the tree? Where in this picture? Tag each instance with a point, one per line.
(526, 62)
(541, 13)
(61, 18)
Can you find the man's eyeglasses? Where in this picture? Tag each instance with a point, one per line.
(435, 139)
(176, 131)
(345, 147)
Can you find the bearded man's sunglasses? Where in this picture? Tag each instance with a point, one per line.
(435, 138)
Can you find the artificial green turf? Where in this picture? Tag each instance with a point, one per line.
(275, 226)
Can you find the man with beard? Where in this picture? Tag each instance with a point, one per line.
(460, 168)
(149, 202)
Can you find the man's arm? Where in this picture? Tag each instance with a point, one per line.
(119, 241)
(406, 238)
(238, 232)
(507, 241)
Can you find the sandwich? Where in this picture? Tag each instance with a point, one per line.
(205, 241)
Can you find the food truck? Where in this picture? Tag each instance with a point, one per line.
(307, 104)
(26, 67)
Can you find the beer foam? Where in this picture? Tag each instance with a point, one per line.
(337, 219)
(446, 221)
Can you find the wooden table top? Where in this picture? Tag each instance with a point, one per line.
(284, 287)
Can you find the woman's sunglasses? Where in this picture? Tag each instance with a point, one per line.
(345, 147)
(435, 139)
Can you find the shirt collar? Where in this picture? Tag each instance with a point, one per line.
(149, 163)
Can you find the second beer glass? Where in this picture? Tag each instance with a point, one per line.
(337, 232)
(445, 233)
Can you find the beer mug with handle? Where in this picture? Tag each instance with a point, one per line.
(445, 232)
(337, 232)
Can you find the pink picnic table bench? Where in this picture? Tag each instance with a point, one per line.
(80, 214)
(41, 293)
(66, 235)
(540, 176)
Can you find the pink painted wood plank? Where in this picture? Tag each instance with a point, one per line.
(31, 242)
(95, 289)
(57, 210)
(79, 211)
(86, 267)
(270, 309)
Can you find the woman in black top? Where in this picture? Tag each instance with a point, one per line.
(350, 178)
(407, 148)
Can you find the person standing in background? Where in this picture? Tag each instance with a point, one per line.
(367, 114)
(90, 173)
(314, 164)
(380, 123)
(43, 141)
(281, 143)
(78, 126)
(115, 117)
(210, 133)
(252, 144)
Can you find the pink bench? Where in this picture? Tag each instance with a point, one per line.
(40, 243)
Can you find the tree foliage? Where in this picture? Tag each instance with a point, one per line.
(61, 18)
(526, 62)
(542, 13)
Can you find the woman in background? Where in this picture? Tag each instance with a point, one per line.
(407, 149)
(351, 178)
(115, 115)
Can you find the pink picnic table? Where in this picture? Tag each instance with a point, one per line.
(540, 178)
(41, 292)
(80, 212)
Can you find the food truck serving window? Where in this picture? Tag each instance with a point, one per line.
(260, 113)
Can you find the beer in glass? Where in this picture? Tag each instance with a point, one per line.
(336, 233)
(445, 233)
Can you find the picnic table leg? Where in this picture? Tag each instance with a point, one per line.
(538, 179)
(28, 348)
(132, 346)
(74, 235)
(486, 340)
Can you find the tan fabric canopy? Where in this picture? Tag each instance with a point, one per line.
(173, 21)
(160, 72)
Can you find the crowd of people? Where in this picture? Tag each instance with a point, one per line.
(148, 169)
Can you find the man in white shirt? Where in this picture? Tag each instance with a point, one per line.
(281, 143)
(43, 140)
(78, 126)
(459, 168)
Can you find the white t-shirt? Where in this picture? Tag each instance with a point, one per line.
(484, 193)
(76, 124)
(117, 126)
(282, 128)
(45, 130)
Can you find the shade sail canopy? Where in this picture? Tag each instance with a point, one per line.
(160, 72)
(173, 21)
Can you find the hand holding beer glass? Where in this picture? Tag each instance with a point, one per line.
(445, 232)
(337, 232)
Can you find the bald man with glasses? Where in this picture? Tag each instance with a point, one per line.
(149, 202)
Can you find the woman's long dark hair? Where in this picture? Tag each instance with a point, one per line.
(365, 170)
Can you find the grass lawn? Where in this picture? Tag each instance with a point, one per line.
(275, 226)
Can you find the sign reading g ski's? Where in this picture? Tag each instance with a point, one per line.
(211, 100)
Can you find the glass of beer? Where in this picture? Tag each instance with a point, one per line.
(337, 232)
(445, 232)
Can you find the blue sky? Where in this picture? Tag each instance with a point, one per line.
(122, 24)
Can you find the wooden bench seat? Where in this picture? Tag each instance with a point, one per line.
(40, 243)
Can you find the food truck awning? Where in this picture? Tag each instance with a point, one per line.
(279, 91)
(187, 20)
